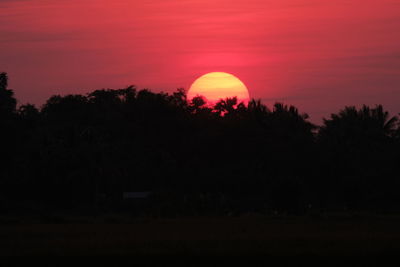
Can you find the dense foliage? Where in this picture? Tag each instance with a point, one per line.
(84, 151)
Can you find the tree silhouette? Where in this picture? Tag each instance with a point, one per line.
(8, 133)
(226, 107)
(7, 101)
(86, 150)
(358, 147)
(365, 123)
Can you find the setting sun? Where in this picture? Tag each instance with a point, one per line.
(214, 86)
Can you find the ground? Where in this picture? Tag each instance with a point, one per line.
(252, 240)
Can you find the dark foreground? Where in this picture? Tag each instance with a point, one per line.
(247, 241)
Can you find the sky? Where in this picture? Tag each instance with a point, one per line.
(315, 54)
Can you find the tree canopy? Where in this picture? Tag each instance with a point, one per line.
(85, 150)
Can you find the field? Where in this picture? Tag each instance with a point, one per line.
(347, 241)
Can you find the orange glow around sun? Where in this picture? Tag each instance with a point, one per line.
(214, 86)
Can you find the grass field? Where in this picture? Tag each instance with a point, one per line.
(208, 242)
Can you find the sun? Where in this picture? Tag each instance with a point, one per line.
(214, 86)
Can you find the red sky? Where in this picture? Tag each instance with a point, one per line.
(318, 55)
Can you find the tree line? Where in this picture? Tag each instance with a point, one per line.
(83, 151)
